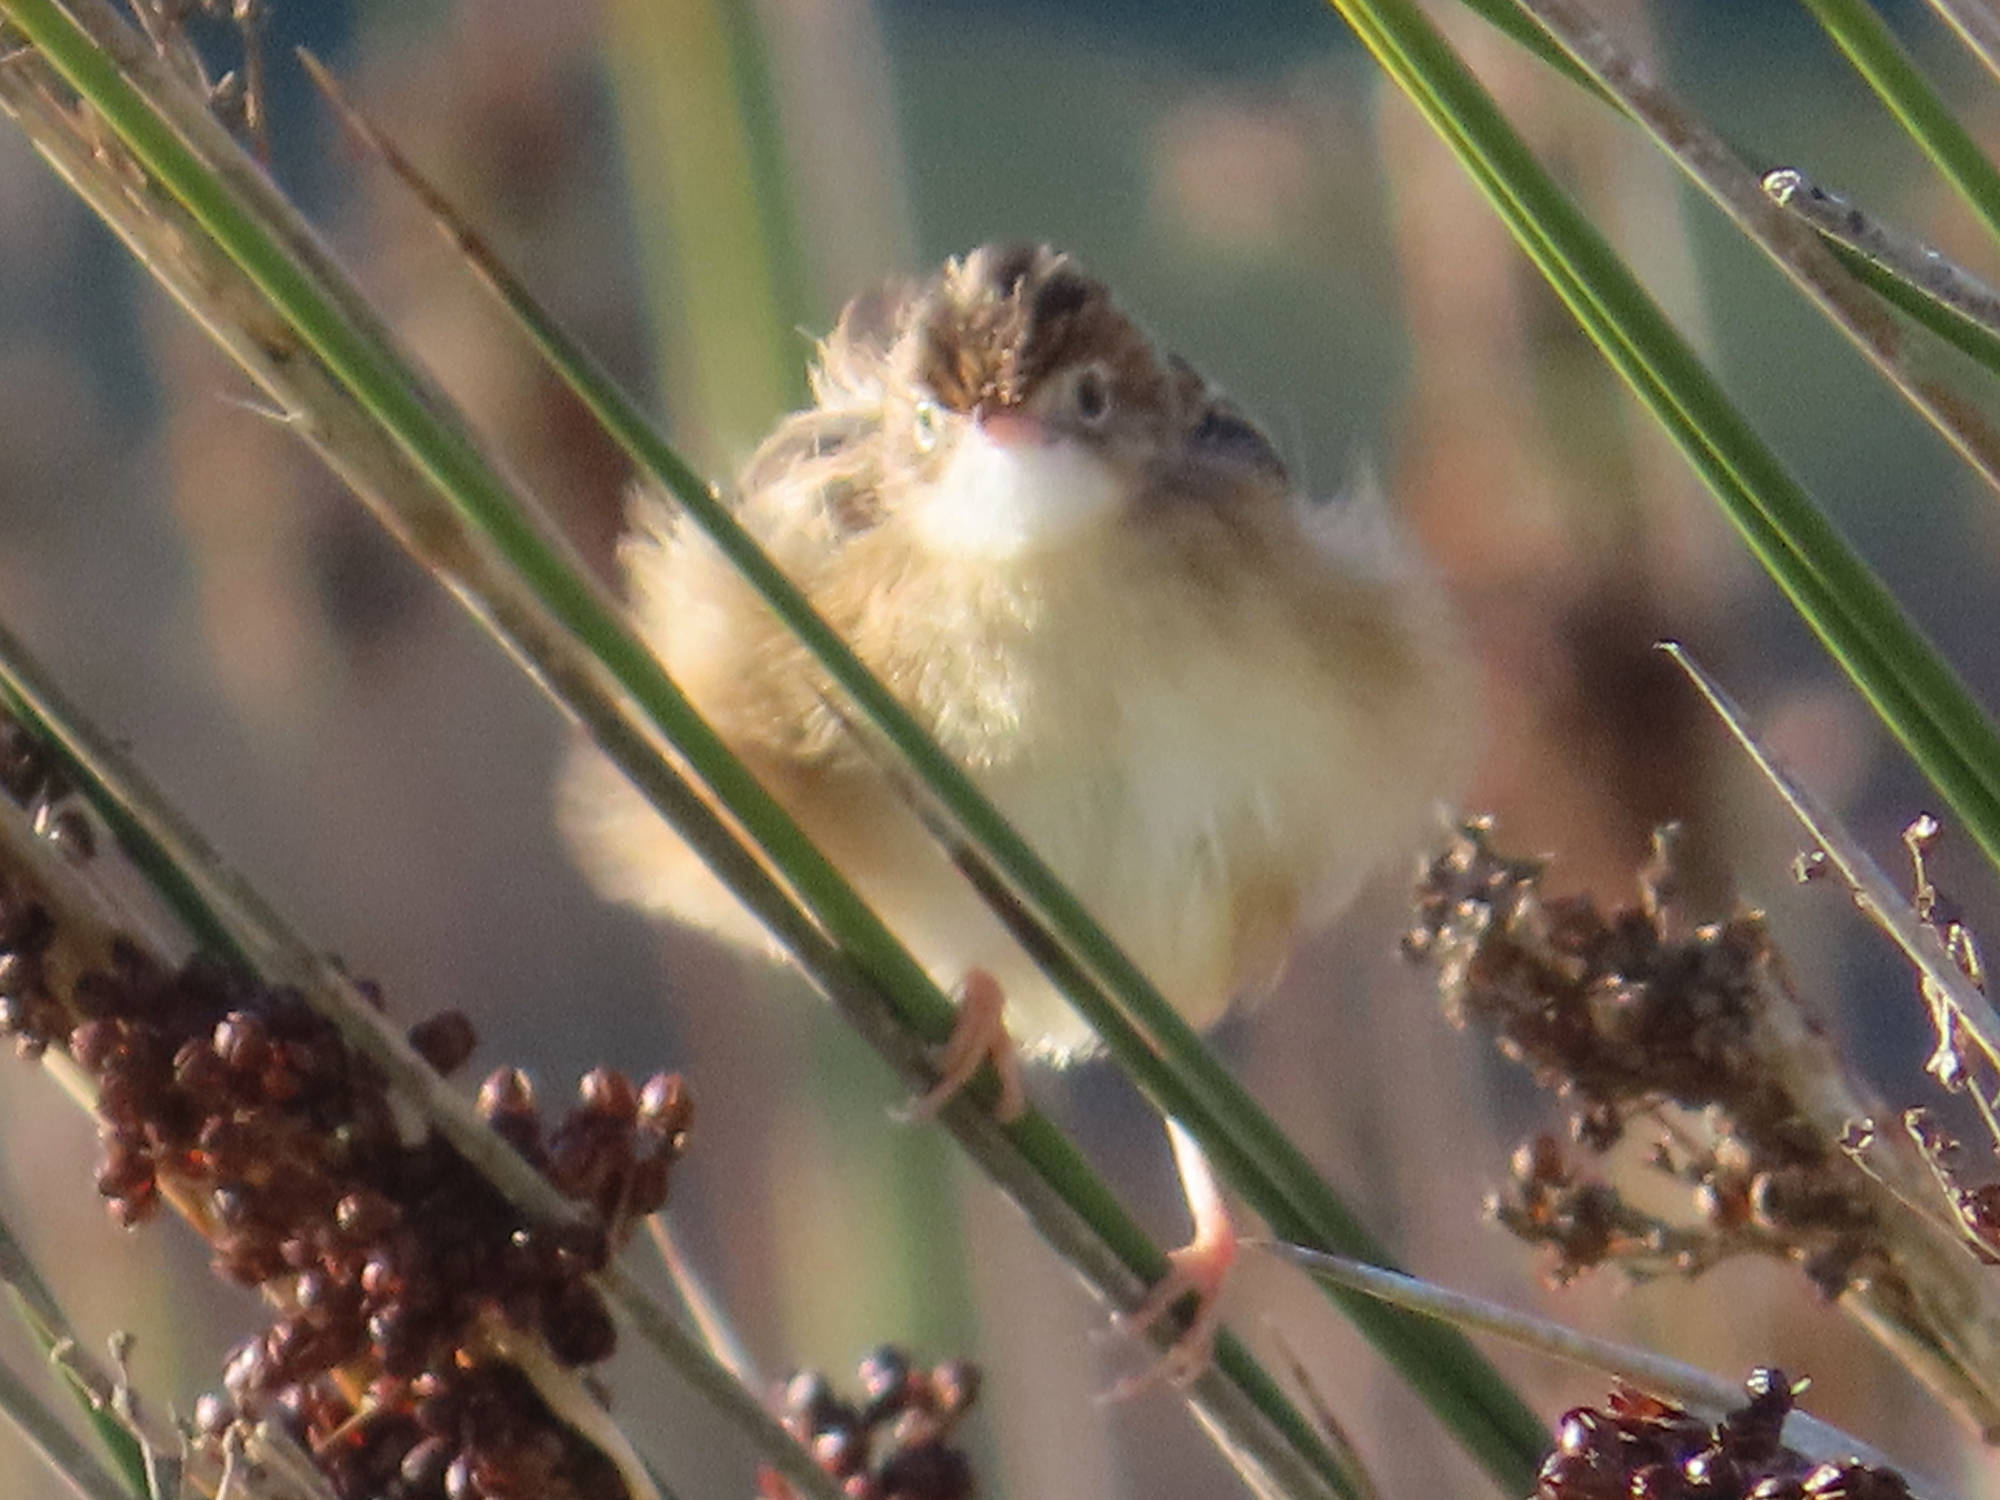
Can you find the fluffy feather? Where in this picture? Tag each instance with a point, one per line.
(1211, 707)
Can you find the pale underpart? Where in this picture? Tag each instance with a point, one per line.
(1212, 720)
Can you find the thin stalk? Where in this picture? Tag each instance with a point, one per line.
(1687, 1384)
(1976, 26)
(76, 1466)
(38, 1309)
(1031, 1161)
(1146, 1035)
(1739, 191)
(1855, 617)
(1878, 897)
(277, 953)
(1104, 1243)
(1508, 18)
(706, 184)
(158, 1463)
(770, 185)
(1879, 58)
(1916, 278)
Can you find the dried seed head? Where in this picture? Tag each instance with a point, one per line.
(445, 1040)
(897, 1442)
(1638, 1446)
(387, 1258)
(1622, 1013)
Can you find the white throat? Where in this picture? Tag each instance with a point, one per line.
(997, 501)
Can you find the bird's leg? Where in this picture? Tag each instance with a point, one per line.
(1200, 1266)
(979, 1035)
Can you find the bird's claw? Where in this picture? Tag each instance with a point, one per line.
(978, 1036)
(1201, 1266)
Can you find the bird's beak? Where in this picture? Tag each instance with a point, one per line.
(1005, 427)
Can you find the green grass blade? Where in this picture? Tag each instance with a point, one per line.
(79, 1472)
(750, 69)
(1273, 1176)
(1913, 277)
(1720, 171)
(1508, 18)
(1174, 1067)
(255, 931)
(1855, 617)
(1899, 673)
(1938, 296)
(1689, 1385)
(1876, 54)
(35, 1305)
(1971, 336)
(342, 335)
(1033, 1162)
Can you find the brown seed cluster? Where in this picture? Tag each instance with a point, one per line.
(895, 1443)
(1638, 1447)
(1623, 1015)
(387, 1259)
(479, 1429)
(31, 777)
(1607, 1007)
(29, 1011)
(1585, 1221)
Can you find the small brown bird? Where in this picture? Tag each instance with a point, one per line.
(1211, 703)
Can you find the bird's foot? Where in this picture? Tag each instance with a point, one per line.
(1200, 1267)
(978, 1036)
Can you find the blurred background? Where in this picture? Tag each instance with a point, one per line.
(696, 187)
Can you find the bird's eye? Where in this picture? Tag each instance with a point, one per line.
(1092, 394)
(926, 425)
